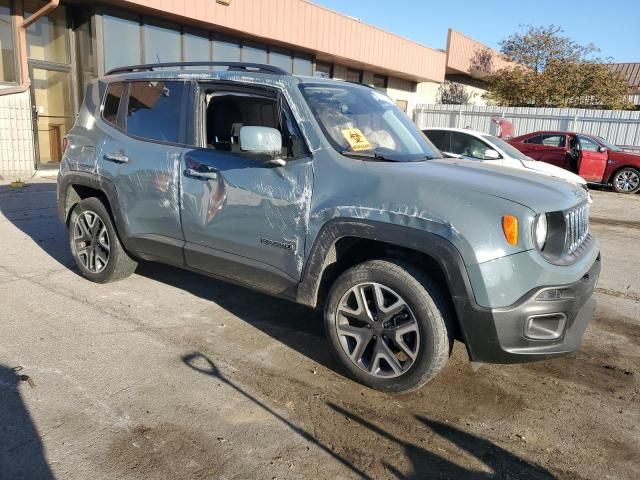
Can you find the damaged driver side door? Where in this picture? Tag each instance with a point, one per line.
(244, 214)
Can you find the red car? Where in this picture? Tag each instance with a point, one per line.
(591, 157)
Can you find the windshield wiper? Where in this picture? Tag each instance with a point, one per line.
(367, 155)
(383, 158)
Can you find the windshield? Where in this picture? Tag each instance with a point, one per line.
(610, 146)
(363, 121)
(507, 148)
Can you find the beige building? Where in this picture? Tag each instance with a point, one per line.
(50, 49)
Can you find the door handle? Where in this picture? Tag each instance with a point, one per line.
(116, 157)
(208, 175)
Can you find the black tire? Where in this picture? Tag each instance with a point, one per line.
(626, 180)
(426, 302)
(118, 263)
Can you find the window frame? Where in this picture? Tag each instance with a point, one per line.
(118, 124)
(124, 104)
(14, 36)
(199, 135)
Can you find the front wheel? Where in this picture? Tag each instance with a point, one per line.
(387, 325)
(626, 180)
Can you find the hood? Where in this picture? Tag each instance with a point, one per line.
(530, 189)
(554, 171)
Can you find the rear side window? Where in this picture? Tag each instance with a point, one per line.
(112, 102)
(439, 138)
(154, 110)
(554, 140)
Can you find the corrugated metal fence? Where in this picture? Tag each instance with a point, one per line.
(617, 126)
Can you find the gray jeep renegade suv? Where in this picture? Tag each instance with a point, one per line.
(325, 193)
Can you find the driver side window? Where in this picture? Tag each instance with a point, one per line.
(469, 146)
(588, 145)
(226, 112)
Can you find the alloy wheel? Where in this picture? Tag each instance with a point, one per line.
(377, 330)
(91, 242)
(627, 180)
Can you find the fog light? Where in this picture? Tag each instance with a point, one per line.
(554, 294)
(545, 327)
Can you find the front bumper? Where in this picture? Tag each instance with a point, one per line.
(532, 328)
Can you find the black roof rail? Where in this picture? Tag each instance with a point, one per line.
(232, 66)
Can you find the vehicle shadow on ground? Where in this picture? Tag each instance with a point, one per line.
(296, 326)
(33, 211)
(423, 463)
(21, 450)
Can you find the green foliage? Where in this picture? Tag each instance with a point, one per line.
(554, 71)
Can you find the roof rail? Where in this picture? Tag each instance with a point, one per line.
(232, 66)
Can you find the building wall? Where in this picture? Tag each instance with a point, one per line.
(305, 25)
(17, 155)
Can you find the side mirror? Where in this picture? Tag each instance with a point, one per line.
(602, 149)
(491, 155)
(263, 140)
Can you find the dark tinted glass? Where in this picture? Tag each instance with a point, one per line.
(438, 138)
(537, 140)
(111, 103)
(154, 110)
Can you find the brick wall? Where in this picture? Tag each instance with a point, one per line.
(17, 155)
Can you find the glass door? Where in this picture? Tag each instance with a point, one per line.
(52, 112)
(52, 90)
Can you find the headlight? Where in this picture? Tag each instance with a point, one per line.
(540, 230)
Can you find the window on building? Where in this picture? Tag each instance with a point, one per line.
(121, 42)
(226, 50)
(380, 81)
(354, 75)
(47, 38)
(112, 102)
(196, 46)
(228, 112)
(403, 105)
(254, 53)
(303, 65)
(85, 61)
(161, 44)
(154, 110)
(7, 44)
(280, 58)
(324, 70)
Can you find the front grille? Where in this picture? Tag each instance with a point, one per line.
(577, 224)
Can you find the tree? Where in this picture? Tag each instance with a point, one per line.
(551, 70)
(452, 93)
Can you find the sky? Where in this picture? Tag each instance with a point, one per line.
(612, 25)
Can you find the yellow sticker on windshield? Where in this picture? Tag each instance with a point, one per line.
(356, 139)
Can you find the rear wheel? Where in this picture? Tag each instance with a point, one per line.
(387, 324)
(95, 245)
(626, 180)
